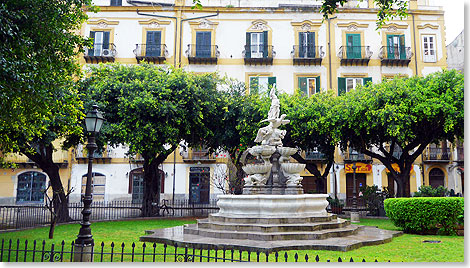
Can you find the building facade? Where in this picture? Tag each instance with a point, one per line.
(266, 42)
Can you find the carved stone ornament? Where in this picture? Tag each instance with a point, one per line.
(102, 24)
(154, 24)
(392, 29)
(352, 28)
(204, 24)
(259, 26)
(305, 27)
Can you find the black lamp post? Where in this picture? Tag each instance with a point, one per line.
(93, 120)
(354, 201)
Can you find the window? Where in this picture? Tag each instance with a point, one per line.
(396, 47)
(309, 85)
(353, 46)
(136, 185)
(306, 45)
(203, 44)
(261, 84)
(429, 48)
(153, 46)
(31, 186)
(256, 45)
(345, 84)
(100, 44)
(199, 185)
(98, 182)
(116, 3)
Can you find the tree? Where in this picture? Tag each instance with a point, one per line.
(387, 9)
(38, 61)
(152, 109)
(394, 121)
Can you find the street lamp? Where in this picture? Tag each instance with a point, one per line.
(84, 242)
(354, 213)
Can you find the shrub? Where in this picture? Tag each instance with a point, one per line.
(429, 191)
(374, 198)
(425, 215)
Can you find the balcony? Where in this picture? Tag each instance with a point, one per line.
(434, 154)
(99, 54)
(353, 156)
(199, 155)
(151, 53)
(354, 55)
(202, 54)
(258, 54)
(307, 55)
(81, 155)
(314, 156)
(59, 157)
(460, 151)
(394, 56)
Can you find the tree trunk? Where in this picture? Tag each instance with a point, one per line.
(151, 188)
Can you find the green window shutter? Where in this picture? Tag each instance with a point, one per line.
(254, 85)
(271, 81)
(91, 49)
(353, 46)
(303, 85)
(366, 80)
(92, 36)
(105, 40)
(341, 86)
(265, 44)
(203, 44)
(152, 48)
(402, 47)
(311, 45)
(248, 46)
(301, 45)
(317, 84)
(390, 47)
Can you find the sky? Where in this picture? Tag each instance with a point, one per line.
(453, 17)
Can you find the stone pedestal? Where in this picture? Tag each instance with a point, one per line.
(82, 253)
(355, 217)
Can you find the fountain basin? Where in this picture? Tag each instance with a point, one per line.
(257, 168)
(273, 205)
(263, 150)
(292, 168)
(287, 151)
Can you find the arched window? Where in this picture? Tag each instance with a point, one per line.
(436, 177)
(98, 184)
(136, 184)
(31, 186)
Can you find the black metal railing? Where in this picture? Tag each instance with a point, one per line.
(258, 51)
(202, 51)
(354, 52)
(436, 154)
(199, 155)
(37, 251)
(101, 50)
(395, 53)
(354, 156)
(150, 50)
(27, 216)
(307, 52)
(314, 155)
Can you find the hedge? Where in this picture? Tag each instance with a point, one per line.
(425, 215)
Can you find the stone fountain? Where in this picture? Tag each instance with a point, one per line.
(273, 213)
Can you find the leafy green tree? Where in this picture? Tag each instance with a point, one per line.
(152, 109)
(394, 121)
(38, 61)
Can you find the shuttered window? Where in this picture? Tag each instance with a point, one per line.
(257, 45)
(153, 46)
(306, 45)
(261, 84)
(353, 46)
(396, 47)
(309, 85)
(345, 84)
(203, 44)
(429, 48)
(100, 43)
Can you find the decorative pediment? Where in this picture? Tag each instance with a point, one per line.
(353, 26)
(259, 25)
(203, 24)
(428, 25)
(102, 23)
(306, 25)
(153, 23)
(393, 27)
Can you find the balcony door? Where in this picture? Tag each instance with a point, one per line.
(100, 43)
(353, 46)
(203, 44)
(396, 47)
(153, 46)
(257, 45)
(436, 178)
(360, 181)
(306, 45)
(199, 185)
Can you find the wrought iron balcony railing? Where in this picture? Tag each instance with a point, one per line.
(155, 53)
(100, 53)
(263, 54)
(314, 155)
(199, 155)
(355, 55)
(391, 55)
(202, 53)
(354, 156)
(307, 54)
(436, 154)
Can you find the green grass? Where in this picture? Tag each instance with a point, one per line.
(404, 248)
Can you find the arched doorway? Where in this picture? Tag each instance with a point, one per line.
(31, 186)
(98, 185)
(360, 181)
(136, 184)
(436, 177)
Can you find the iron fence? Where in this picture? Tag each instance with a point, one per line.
(27, 216)
(18, 251)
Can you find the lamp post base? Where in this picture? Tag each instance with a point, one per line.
(355, 217)
(83, 253)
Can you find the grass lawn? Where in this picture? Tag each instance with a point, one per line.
(406, 248)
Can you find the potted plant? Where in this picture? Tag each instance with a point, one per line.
(336, 205)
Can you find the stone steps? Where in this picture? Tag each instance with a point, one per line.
(217, 217)
(270, 227)
(194, 229)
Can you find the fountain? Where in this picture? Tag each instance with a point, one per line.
(273, 213)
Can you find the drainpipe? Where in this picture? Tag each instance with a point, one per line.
(174, 177)
(181, 31)
(160, 16)
(329, 50)
(414, 40)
